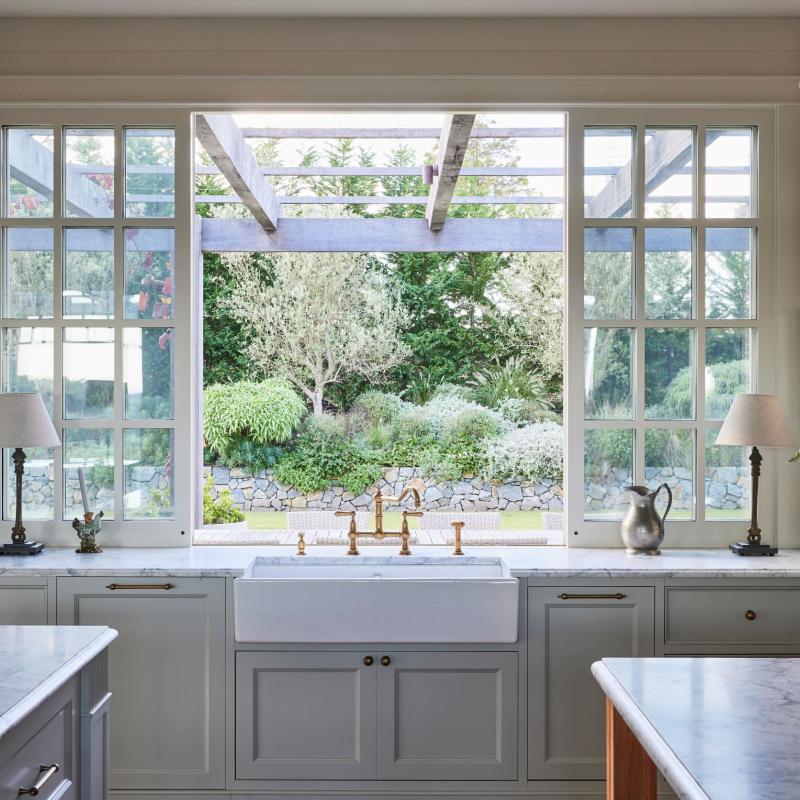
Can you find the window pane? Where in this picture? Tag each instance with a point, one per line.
(37, 485)
(149, 273)
(608, 373)
(727, 480)
(669, 458)
(729, 172)
(148, 370)
(149, 173)
(669, 373)
(728, 355)
(30, 172)
(93, 450)
(148, 473)
(729, 273)
(89, 273)
(607, 469)
(607, 169)
(89, 172)
(668, 273)
(608, 273)
(88, 373)
(28, 363)
(669, 172)
(29, 273)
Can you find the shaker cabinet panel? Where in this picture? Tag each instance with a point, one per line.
(23, 601)
(568, 629)
(166, 672)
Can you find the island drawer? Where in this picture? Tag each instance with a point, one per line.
(732, 615)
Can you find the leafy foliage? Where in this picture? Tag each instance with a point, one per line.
(222, 510)
(379, 407)
(532, 453)
(513, 380)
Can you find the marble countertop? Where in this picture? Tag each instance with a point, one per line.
(540, 562)
(36, 660)
(716, 728)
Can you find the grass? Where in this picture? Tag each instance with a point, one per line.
(509, 520)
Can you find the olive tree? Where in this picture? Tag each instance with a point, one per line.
(315, 318)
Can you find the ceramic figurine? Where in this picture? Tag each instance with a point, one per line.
(87, 532)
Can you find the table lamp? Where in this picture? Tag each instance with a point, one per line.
(24, 422)
(755, 420)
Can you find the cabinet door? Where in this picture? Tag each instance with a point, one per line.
(23, 601)
(566, 707)
(166, 674)
(305, 716)
(448, 716)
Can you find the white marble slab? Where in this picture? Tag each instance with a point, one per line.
(36, 660)
(716, 728)
(544, 562)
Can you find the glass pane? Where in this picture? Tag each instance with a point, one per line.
(668, 273)
(89, 172)
(149, 173)
(148, 473)
(29, 273)
(729, 273)
(608, 273)
(93, 450)
(29, 362)
(728, 368)
(148, 373)
(88, 273)
(88, 373)
(669, 373)
(669, 172)
(607, 469)
(607, 169)
(669, 458)
(149, 273)
(727, 480)
(729, 172)
(37, 485)
(30, 172)
(608, 373)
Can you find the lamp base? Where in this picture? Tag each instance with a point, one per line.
(22, 549)
(749, 549)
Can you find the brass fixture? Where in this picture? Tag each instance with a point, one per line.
(368, 661)
(46, 771)
(385, 661)
(750, 615)
(616, 596)
(413, 488)
(301, 544)
(457, 528)
(118, 586)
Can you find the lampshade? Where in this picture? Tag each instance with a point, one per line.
(24, 421)
(757, 420)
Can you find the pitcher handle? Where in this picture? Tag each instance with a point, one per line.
(669, 500)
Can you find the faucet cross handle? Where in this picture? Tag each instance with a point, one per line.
(352, 532)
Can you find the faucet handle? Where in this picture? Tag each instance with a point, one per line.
(413, 513)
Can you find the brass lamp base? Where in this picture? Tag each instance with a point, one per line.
(21, 549)
(752, 549)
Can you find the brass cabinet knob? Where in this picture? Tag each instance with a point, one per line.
(385, 660)
(368, 661)
(750, 614)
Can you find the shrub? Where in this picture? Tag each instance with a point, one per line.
(465, 438)
(723, 382)
(222, 510)
(251, 456)
(360, 476)
(380, 407)
(521, 412)
(265, 413)
(532, 453)
(410, 436)
(512, 380)
(441, 411)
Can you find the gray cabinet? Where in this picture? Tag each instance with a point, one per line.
(167, 673)
(23, 601)
(569, 627)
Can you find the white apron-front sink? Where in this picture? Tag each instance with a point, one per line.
(376, 599)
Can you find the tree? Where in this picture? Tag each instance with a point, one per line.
(318, 317)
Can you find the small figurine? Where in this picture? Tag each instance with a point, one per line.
(87, 531)
(301, 544)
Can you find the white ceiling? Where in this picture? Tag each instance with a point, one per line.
(400, 8)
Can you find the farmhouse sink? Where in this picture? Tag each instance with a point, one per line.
(376, 599)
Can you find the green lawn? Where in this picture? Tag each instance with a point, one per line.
(509, 520)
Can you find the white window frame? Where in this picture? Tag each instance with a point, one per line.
(133, 533)
(679, 533)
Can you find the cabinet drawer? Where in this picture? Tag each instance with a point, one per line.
(707, 615)
(45, 738)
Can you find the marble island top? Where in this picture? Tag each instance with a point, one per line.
(35, 660)
(544, 562)
(716, 728)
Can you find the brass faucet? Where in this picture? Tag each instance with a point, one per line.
(413, 488)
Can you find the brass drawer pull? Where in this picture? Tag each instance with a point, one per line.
(117, 586)
(368, 661)
(617, 596)
(750, 614)
(46, 772)
(385, 661)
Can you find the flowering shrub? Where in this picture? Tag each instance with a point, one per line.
(532, 453)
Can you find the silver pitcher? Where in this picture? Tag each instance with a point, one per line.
(642, 527)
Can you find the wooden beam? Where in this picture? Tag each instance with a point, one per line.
(396, 133)
(630, 773)
(224, 143)
(452, 149)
